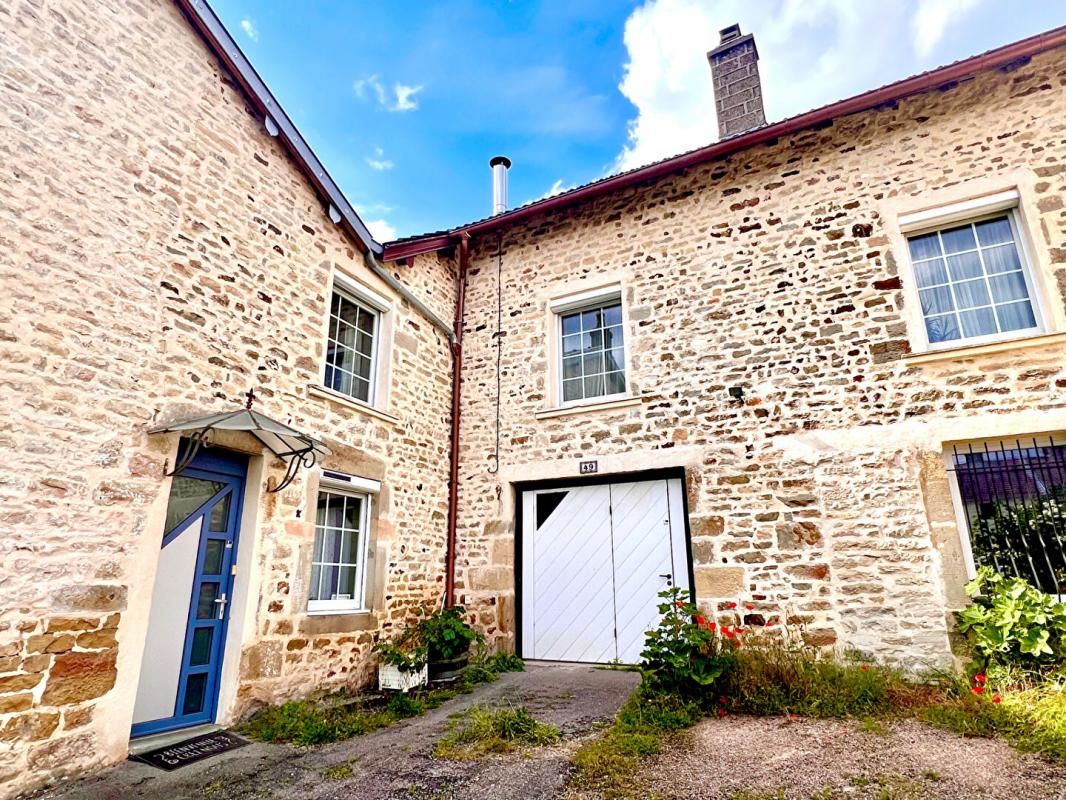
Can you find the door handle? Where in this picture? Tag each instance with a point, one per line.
(668, 576)
(221, 605)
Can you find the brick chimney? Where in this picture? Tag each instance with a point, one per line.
(737, 88)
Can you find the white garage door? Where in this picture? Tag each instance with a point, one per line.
(594, 559)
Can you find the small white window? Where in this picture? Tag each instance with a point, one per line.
(351, 347)
(973, 282)
(592, 352)
(338, 562)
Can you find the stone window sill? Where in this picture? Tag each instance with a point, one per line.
(321, 392)
(609, 405)
(974, 350)
(339, 612)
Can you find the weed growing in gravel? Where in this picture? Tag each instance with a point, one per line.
(1032, 719)
(338, 771)
(606, 764)
(481, 731)
(310, 722)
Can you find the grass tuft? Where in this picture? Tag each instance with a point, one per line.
(608, 763)
(310, 722)
(481, 731)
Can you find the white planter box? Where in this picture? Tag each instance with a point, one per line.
(389, 677)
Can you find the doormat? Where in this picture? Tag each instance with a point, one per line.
(191, 750)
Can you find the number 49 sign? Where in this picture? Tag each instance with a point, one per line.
(588, 467)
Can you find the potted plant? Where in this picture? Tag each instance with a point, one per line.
(448, 638)
(402, 662)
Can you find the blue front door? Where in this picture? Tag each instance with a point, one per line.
(190, 603)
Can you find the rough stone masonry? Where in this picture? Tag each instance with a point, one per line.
(823, 498)
(161, 255)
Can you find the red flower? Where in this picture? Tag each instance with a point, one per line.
(711, 626)
(978, 690)
(750, 608)
(721, 713)
(722, 700)
(680, 604)
(731, 605)
(980, 678)
(700, 620)
(996, 699)
(738, 630)
(864, 667)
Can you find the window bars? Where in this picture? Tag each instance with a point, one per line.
(1014, 499)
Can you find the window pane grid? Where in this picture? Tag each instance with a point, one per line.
(335, 564)
(350, 348)
(982, 304)
(592, 352)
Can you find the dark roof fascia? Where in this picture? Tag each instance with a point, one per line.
(229, 53)
(937, 78)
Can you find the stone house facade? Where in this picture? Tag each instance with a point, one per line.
(777, 360)
(168, 245)
(161, 256)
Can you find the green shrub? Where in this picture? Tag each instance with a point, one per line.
(684, 653)
(484, 730)
(1011, 625)
(505, 662)
(447, 634)
(406, 705)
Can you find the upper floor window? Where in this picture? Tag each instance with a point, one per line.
(338, 574)
(351, 347)
(592, 350)
(974, 284)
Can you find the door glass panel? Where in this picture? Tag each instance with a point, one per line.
(201, 647)
(547, 502)
(213, 556)
(220, 514)
(205, 604)
(186, 495)
(195, 689)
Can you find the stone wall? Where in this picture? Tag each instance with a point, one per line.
(822, 497)
(160, 255)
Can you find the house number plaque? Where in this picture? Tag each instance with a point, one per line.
(588, 467)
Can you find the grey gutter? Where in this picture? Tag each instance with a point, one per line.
(403, 291)
(275, 119)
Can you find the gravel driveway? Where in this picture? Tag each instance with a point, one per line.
(393, 763)
(770, 758)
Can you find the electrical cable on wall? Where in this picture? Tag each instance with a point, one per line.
(498, 336)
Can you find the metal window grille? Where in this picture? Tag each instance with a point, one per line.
(1014, 499)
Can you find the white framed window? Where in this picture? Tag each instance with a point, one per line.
(338, 561)
(352, 344)
(1010, 504)
(973, 279)
(592, 356)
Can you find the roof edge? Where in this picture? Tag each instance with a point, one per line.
(916, 84)
(226, 49)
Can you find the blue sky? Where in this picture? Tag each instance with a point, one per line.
(405, 102)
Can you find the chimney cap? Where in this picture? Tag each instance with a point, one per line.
(730, 37)
(500, 160)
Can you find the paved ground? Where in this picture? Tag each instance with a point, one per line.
(393, 763)
(746, 758)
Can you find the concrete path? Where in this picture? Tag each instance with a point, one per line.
(393, 763)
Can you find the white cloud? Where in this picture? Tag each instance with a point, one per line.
(931, 20)
(812, 52)
(378, 160)
(380, 229)
(405, 97)
(558, 187)
(249, 29)
(400, 98)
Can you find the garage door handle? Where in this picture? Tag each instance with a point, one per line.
(669, 579)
